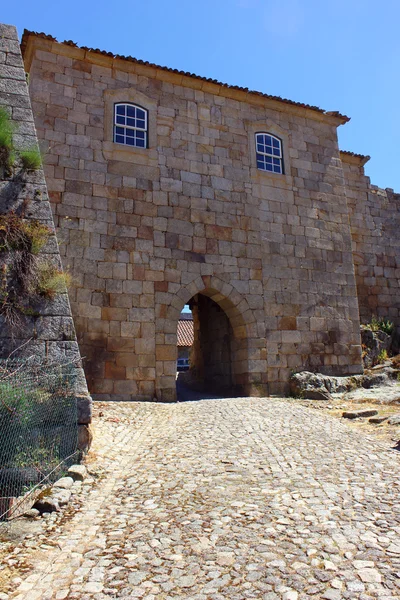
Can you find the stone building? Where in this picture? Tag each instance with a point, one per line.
(168, 188)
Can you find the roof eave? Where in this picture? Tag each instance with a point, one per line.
(353, 158)
(186, 79)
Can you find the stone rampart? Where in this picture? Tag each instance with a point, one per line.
(46, 330)
(375, 229)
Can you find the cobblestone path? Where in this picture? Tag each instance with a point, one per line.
(229, 499)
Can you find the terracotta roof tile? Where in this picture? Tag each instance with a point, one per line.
(185, 333)
(362, 158)
(335, 114)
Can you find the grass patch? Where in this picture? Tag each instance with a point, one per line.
(52, 281)
(7, 154)
(16, 233)
(31, 159)
(382, 357)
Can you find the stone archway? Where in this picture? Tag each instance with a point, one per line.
(249, 364)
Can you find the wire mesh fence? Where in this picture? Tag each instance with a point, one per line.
(38, 427)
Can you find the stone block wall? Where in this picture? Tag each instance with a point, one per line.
(50, 333)
(375, 229)
(143, 231)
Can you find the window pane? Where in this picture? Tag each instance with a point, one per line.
(277, 169)
(277, 152)
(275, 143)
(130, 126)
(268, 167)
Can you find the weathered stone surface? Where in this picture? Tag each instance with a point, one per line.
(32, 513)
(374, 342)
(309, 385)
(84, 407)
(374, 380)
(359, 414)
(77, 472)
(61, 496)
(65, 482)
(84, 437)
(395, 420)
(370, 575)
(47, 504)
(316, 386)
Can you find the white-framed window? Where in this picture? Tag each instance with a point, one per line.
(269, 153)
(130, 125)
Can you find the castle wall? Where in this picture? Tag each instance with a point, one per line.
(375, 229)
(47, 329)
(143, 231)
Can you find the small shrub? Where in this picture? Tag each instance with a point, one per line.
(52, 281)
(31, 159)
(386, 326)
(373, 325)
(380, 325)
(38, 234)
(382, 357)
(16, 233)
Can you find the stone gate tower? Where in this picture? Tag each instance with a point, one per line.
(169, 188)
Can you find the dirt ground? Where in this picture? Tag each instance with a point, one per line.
(388, 434)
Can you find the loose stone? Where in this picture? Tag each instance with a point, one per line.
(357, 414)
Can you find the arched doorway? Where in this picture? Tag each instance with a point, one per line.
(229, 351)
(216, 360)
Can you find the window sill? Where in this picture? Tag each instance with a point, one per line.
(143, 156)
(273, 179)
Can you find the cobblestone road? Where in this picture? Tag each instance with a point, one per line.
(219, 499)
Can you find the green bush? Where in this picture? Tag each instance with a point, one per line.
(380, 325)
(31, 159)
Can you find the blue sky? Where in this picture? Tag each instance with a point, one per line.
(341, 55)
